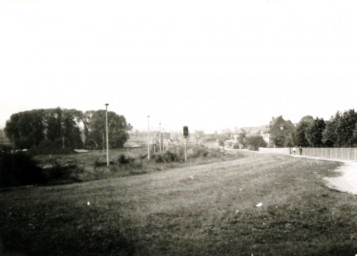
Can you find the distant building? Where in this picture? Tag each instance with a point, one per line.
(280, 133)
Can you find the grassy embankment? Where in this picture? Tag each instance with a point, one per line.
(199, 210)
(123, 162)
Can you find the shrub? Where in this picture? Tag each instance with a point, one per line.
(122, 159)
(59, 173)
(199, 151)
(19, 169)
(167, 157)
(98, 163)
(255, 142)
(50, 147)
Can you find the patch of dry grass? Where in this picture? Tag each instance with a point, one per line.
(199, 210)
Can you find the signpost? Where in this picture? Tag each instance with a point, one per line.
(185, 134)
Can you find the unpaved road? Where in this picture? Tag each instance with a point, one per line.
(347, 181)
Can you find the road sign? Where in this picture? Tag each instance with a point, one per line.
(185, 131)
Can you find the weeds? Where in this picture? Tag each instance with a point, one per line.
(19, 169)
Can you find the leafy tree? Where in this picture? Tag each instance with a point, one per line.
(29, 129)
(256, 141)
(314, 132)
(279, 139)
(117, 128)
(71, 131)
(301, 131)
(329, 135)
(54, 125)
(58, 127)
(355, 134)
(26, 128)
(242, 138)
(345, 129)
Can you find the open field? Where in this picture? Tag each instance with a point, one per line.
(195, 210)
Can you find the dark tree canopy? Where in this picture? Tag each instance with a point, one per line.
(339, 131)
(301, 131)
(256, 141)
(65, 128)
(345, 129)
(26, 129)
(329, 135)
(314, 132)
(117, 128)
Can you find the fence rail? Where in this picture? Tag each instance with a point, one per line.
(333, 153)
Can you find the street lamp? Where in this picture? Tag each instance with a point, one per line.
(106, 131)
(148, 139)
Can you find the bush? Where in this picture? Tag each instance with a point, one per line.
(255, 142)
(167, 157)
(49, 147)
(199, 151)
(58, 173)
(19, 169)
(125, 160)
(98, 163)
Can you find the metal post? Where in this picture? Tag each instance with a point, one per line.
(106, 129)
(185, 149)
(148, 139)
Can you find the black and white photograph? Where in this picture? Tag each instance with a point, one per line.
(174, 128)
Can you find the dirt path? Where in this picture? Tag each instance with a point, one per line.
(347, 181)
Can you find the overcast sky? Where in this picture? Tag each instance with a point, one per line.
(206, 64)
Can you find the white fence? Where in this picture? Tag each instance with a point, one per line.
(334, 153)
(284, 151)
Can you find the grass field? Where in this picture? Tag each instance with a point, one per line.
(199, 210)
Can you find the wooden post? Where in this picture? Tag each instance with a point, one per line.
(185, 149)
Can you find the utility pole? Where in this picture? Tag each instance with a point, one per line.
(148, 138)
(106, 130)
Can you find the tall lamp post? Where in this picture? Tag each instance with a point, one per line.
(106, 131)
(148, 139)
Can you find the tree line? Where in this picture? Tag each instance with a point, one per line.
(66, 128)
(339, 131)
